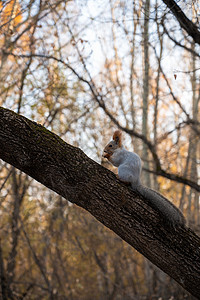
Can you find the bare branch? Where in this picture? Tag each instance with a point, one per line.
(179, 43)
(184, 22)
(100, 100)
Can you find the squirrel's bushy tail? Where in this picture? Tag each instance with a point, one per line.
(168, 210)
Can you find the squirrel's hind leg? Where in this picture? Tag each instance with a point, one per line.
(124, 181)
(127, 175)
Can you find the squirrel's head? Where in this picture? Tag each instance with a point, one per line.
(113, 145)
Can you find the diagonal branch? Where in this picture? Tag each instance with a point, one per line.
(179, 43)
(68, 171)
(183, 20)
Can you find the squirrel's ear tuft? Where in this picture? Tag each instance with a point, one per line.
(117, 137)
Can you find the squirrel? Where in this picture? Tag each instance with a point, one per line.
(129, 170)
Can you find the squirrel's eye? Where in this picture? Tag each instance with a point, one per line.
(110, 146)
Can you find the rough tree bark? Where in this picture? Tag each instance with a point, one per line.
(69, 172)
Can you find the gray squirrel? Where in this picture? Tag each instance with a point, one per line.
(129, 170)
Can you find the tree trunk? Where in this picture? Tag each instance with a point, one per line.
(146, 175)
(68, 171)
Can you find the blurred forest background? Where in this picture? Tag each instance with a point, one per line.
(82, 69)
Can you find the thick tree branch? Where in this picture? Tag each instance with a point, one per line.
(184, 22)
(69, 172)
